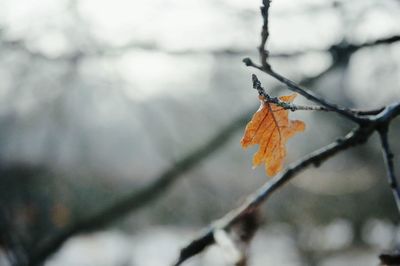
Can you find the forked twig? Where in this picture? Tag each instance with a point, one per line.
(254, 200)
(266, 67)
(356, 137)
(347, 113)
(285, 105)
(294, 107)
(368, 122)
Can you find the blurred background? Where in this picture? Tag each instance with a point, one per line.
(99, 97)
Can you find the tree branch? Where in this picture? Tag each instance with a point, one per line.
(50, 246)
(110, 51)
(140, 198)
(388, 159)
(264, 34)
(253, 201)
(266, 68)
(345, 112)
(356, 137)
(293, 107)
(374, 120)
(288, 106)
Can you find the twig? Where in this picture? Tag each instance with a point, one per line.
(386, 40)
(373, 120)
(308, 94)
(264, 35)
(388, 159)
(44, 250)
(289, 106)
(356, 137)
(293, 107)
(342, 48)
(140, 198)
(265, 67)
(367, 125)
(253, 201)
(110, 51)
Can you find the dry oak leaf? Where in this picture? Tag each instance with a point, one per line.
(271, 128)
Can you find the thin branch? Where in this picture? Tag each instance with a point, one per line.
(293, 107)
(253, 201)
(289, 106)
(110, 51)
(155, 189)
(389, 113)
(367, 125)
(388, 159)
(140, 198)
(356, 137)
(308, 94)
(386, 40)
(264, 34)
(368, 112)
(265, 67)
(46, 249)
(342, 49)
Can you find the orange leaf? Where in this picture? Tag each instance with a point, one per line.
(271, 128)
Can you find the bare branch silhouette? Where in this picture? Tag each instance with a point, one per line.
(368, 122)
(356, 137)
(138, 198)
